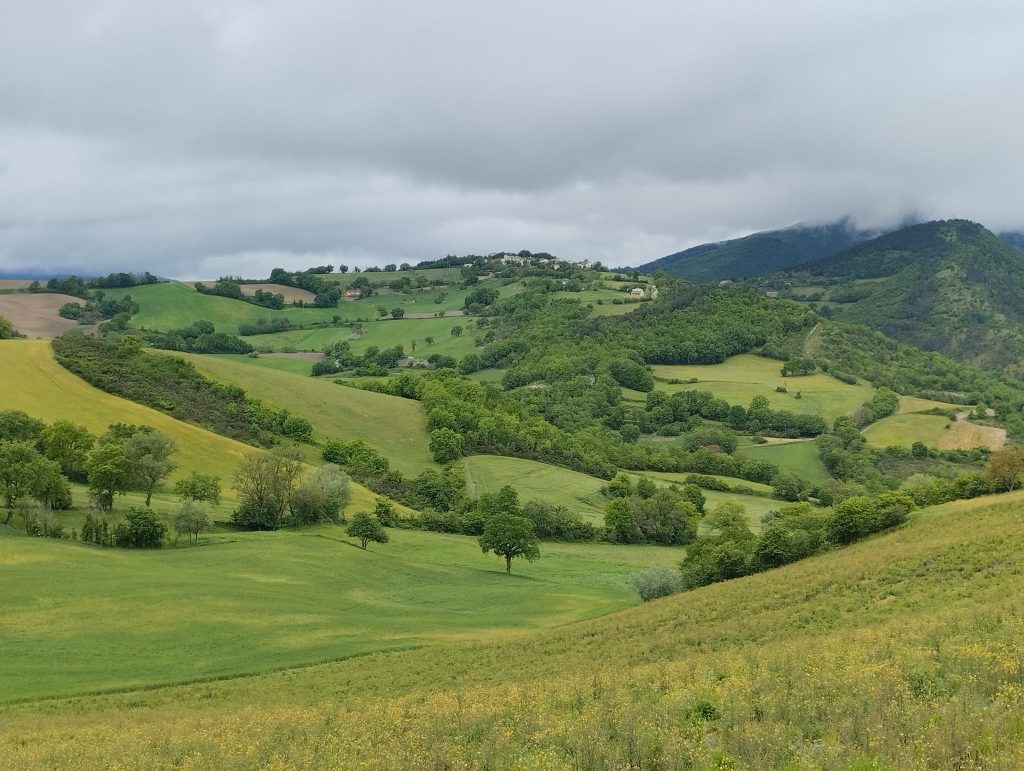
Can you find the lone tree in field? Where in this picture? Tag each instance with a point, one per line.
(1005, 468)
(366, 529)
(191, 519)
(150, 453)
(509, 536)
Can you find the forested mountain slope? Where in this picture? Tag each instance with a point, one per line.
(760, 253)
(950, 286)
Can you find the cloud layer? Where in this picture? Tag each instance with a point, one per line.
(219, 136)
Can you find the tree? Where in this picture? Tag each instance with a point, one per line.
(1004, 468)
(17, 426)
(199, 487)
(110, 473)
(385, 513)
(264, 482)
(620, 522)
(800, 365)
(6, 328)
(322, 497)
(191, 519)
(366, 529)
(69, 445)
(619, 486)
(150, 454)
(510, 537)
(788, 486)
(445, 445)
(397, 313)
(457, 331)
(666, 518)
(429, 339)
(140, 529)
(23, 471)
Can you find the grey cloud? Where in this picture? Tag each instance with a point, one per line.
(228, 135)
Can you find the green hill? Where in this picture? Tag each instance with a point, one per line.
(760, 253)
(949, 286)
(900, 652)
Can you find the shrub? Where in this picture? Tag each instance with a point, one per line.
(140, 529)
(657, 582)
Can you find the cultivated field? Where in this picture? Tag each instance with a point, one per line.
(740, 378)
(35, 315)
(903, 429)
(899, 652)
(395, 427)
(291, 293)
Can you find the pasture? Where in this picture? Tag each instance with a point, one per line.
(800, 457)
(253, 602)
(903, 429)
(899, 652)
(740, 378)
(395, 427)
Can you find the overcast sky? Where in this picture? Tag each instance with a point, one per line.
(199, 138)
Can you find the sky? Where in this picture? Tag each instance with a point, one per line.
(214, 137)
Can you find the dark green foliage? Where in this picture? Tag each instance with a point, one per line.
(265, 483)
(140, 529)
(630, 374)
(667, 518)
(801, 365)
(760, 253)
(200, 337)
(226, 287)
(7, 330)
(69, 445)
(557, 523)
(884, 403)
(110, 473)
(510, 537)
(172, 385)
(18, 426)
(265, 326)
(366, 529)
(860, 515)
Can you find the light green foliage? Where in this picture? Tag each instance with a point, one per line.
(68, 444)
(510, 537)
(110, 473)
(204, 488)
(321, 497)
(264, 483)
(191, 519)
(150, 455)
(445, 445)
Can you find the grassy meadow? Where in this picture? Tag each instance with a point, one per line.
(800, 457)
(396, 427)
(899, 652)
(740, 378)
(252, 602)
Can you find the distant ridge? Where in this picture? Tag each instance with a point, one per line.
(770, 251)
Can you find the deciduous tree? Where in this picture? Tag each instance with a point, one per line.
(510, 537)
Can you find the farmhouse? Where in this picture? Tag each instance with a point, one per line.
(636, 292)
(353, 294)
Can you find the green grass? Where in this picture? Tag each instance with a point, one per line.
(903, 429)
(172, 306)
(117, 619)
(383, 334)
(898, 652)
(300, 367)
(577, 492)
(395, 427)
(740, 378)
(799, 457)
(31, 380)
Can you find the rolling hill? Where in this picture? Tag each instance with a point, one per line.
(899, 652)
(760, 253)
(949, 286)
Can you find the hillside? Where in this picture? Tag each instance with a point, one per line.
(901, 652)
(949, 286)
(767, 252)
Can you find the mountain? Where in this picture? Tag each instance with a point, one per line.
(1013, 238)
(770, 251)
(949, 286)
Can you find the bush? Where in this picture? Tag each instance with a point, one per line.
(140, 529)
(657, 582)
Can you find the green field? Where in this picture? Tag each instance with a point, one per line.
(740, 378)
(395, 427)
(899, 652)
(578, 492)
(903, 429)
(264, 601)
(800, 457)
(173, 306)
(383, 334)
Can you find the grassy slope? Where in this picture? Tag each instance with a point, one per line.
(172, 305)
(902, 430)
(740, 378)
(900, 652)
(383, 334)
(33, 381)
(577, 492)
(396, 427)
(256, 602)
(800, 457)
